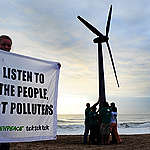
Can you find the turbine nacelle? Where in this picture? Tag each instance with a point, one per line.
(101, 39)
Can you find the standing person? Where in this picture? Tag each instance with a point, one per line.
(113, 127)
(87, 119)
(105, 114)
(87, 128)
(93, 124)
(5, 44)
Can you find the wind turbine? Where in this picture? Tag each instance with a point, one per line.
(101, 39)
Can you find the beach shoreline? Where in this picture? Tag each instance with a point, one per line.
(75, 142)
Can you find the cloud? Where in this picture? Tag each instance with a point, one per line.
(50, 30)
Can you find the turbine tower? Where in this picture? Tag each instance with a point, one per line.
(99, 40)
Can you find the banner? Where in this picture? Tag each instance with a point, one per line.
(28, 98)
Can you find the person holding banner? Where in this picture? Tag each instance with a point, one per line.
(5, 44)
(28, 96)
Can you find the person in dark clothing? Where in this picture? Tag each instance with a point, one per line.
(87, 128)
(93, 124)
(87, 120)
(105, 114)
(5, 44)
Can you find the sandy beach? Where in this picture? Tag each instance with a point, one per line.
(74, 142)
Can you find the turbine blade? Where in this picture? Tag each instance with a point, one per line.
(112, 62)
(108, 21)
(89, 26)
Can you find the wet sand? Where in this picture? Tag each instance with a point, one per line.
(74, 142)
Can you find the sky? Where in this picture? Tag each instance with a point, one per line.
(50, 30)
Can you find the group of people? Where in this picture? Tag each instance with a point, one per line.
(101, 124)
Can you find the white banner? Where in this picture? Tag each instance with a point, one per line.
(28, 98)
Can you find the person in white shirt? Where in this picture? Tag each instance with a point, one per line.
(113, 125)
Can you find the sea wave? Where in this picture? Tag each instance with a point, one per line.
(134, 125)
(74, 125)
(70, 129)
(70, 126)
(69, 121)
(64, 121)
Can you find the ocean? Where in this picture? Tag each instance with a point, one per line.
(128, 124)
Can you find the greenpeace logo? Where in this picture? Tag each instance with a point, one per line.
(11, 128)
